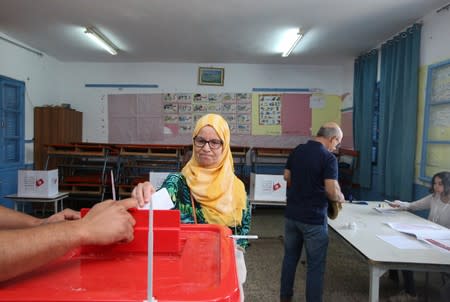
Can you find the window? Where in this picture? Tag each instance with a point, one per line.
(11, 122)
(436, 129)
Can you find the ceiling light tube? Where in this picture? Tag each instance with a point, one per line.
(293, 44)
(101, 40)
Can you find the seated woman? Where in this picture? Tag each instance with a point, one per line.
(207, 190)
(438, 202)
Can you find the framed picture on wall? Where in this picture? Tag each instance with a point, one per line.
(211, 76)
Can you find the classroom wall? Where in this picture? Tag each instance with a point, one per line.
(40, 75)
(179, 78)
(51, 82)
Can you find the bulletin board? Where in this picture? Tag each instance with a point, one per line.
(436, 134)
(255, 120)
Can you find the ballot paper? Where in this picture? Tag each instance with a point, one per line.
(436, 236)
(386, 210)
(160, 201)
(421, 231)
(403, 242)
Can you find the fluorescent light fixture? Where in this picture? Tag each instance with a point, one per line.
(291, 42)
(101, 40)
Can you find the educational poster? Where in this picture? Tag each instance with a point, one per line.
(269, 120)
(181, 111)
(331, 112)
(135, 118)
(227, 97)
(243, 113)
(266, 116)
(269, 107)
(296, 114)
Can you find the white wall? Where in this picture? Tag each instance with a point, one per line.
(38, 74)
(178, 77)
(51, 82)
(435, 39)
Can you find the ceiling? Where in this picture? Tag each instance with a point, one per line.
(222, 31)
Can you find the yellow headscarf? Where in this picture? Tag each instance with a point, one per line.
(221, 194)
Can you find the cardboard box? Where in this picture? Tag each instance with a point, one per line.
(267, 187)
(157, 178)
(37, 183)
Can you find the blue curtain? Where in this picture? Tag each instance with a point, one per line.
(364, 86)
(399, 79)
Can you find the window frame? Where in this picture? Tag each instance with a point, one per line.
(429, 104)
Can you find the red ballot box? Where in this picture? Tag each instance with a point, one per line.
(190, 263)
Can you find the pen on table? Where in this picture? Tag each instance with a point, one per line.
(244, 236)
(113, 188)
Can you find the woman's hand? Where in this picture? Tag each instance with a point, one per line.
(399, 204)
(142, 192)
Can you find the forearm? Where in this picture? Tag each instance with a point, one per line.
(24, 250)
(333, 191)
(421, 204)
(287, 177)
(11, 219)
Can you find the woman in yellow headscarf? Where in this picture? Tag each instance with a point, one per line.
(207, 190)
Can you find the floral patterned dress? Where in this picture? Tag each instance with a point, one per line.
(180, 194)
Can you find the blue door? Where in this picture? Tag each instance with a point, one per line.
(12, 127)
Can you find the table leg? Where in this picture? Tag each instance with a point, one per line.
(15, 205)
(375, 274)
(56, 206)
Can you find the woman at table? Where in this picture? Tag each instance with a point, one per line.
(438, 203)
(207, 190)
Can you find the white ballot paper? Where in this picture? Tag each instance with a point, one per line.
(436, 236)
(160, 200)
(403, 242)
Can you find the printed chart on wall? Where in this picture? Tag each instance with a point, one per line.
(254, 118)
(182, 110)
(267, 116)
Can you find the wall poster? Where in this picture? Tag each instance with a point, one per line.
(182, 110)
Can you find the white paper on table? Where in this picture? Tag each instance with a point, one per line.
(421, 231)
(388, 210)
(403, 242)
(160, 201)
